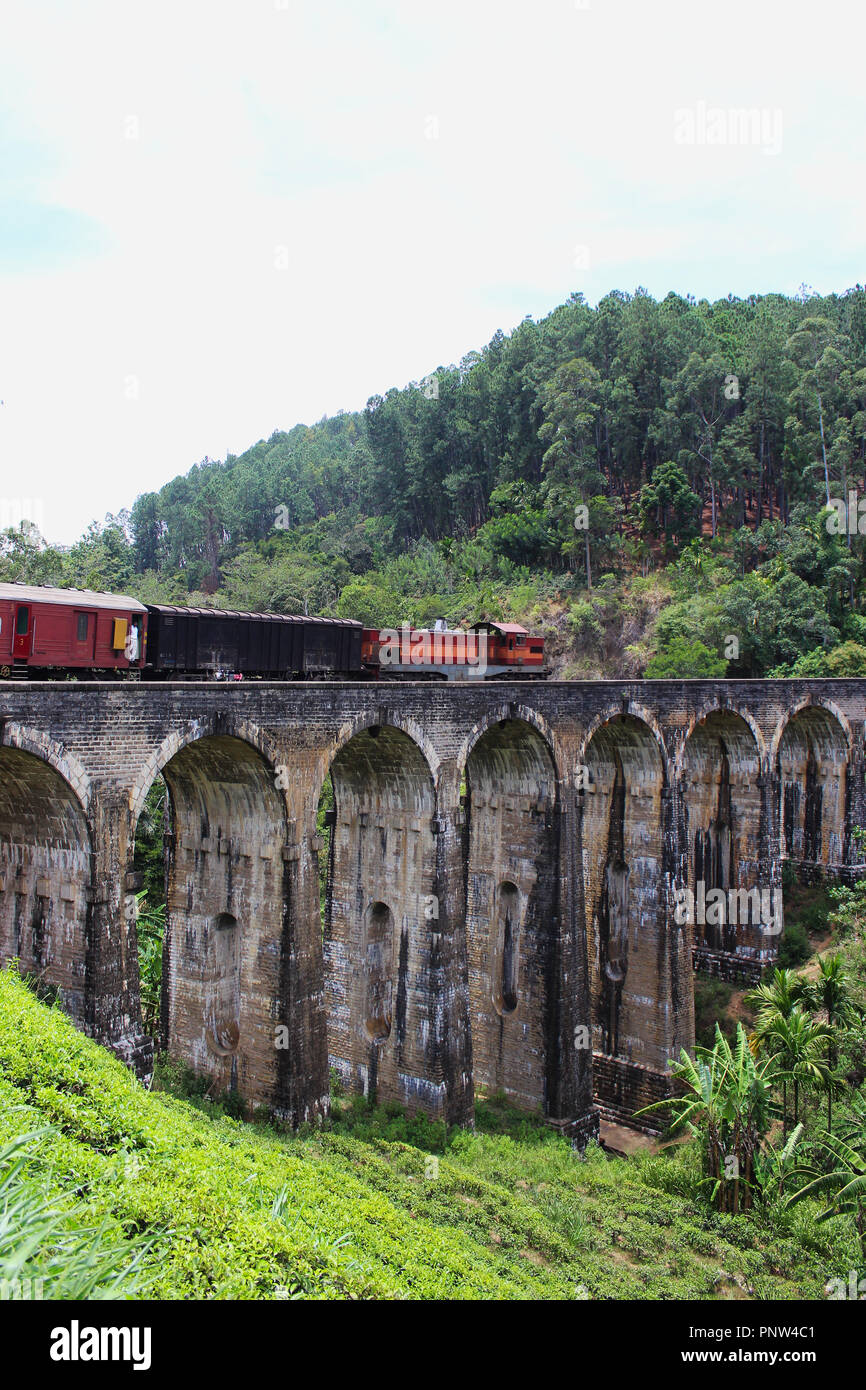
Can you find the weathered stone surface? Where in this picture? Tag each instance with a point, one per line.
(505, 860)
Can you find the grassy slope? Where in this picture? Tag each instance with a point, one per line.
(242, 1211)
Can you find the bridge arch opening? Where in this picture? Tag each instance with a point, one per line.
(720, 780)
(381, 918)
(511, 838)
(636, 974)
(224, 983)
(812, 767)
(45, 874)
(147, 902)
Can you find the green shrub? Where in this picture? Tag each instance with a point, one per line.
(794, 946)
(712, 998)
(688, 660)
(584, 624)
(814, 917)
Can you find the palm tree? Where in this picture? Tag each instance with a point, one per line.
(796, 1044)
(778, 998)
(831, 994)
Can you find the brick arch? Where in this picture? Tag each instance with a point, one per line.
(381, 944)
(643, 716)
(822, 706)
(508, 712)
(702, 714)
(228, 893)
(30, 740)
(719, 767)
(216, 725)
(352, 727)
(813, 790)
(638, 971)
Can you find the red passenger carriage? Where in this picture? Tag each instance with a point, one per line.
(45, 629)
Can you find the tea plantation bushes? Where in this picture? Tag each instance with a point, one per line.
(209, 1207)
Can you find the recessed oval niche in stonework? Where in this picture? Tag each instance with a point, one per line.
(508, 924)
(379, 950)
(223, 1003)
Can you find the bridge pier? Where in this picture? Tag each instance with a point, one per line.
(394, 947)
(628, 858)
(113, 1001)
(239, 995)
(513, 915)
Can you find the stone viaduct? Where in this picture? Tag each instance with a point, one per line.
(504, 867)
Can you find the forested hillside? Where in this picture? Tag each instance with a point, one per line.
(646, 483)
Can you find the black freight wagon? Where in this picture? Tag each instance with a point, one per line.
(215, 642)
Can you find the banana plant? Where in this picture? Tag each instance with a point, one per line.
(724, 1100)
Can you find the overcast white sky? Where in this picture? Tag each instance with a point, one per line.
(220, 217)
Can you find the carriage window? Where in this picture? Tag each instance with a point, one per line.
(82, 627)
(21, 621)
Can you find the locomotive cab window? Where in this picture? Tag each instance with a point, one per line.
(82, 627)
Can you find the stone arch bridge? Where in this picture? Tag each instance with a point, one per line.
(506, 874)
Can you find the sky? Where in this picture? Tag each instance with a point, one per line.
(222, 217)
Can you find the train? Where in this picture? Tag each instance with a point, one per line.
(49, 634)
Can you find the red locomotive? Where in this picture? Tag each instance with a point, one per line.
(47, 632)
(44, 629)
(483, 652)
